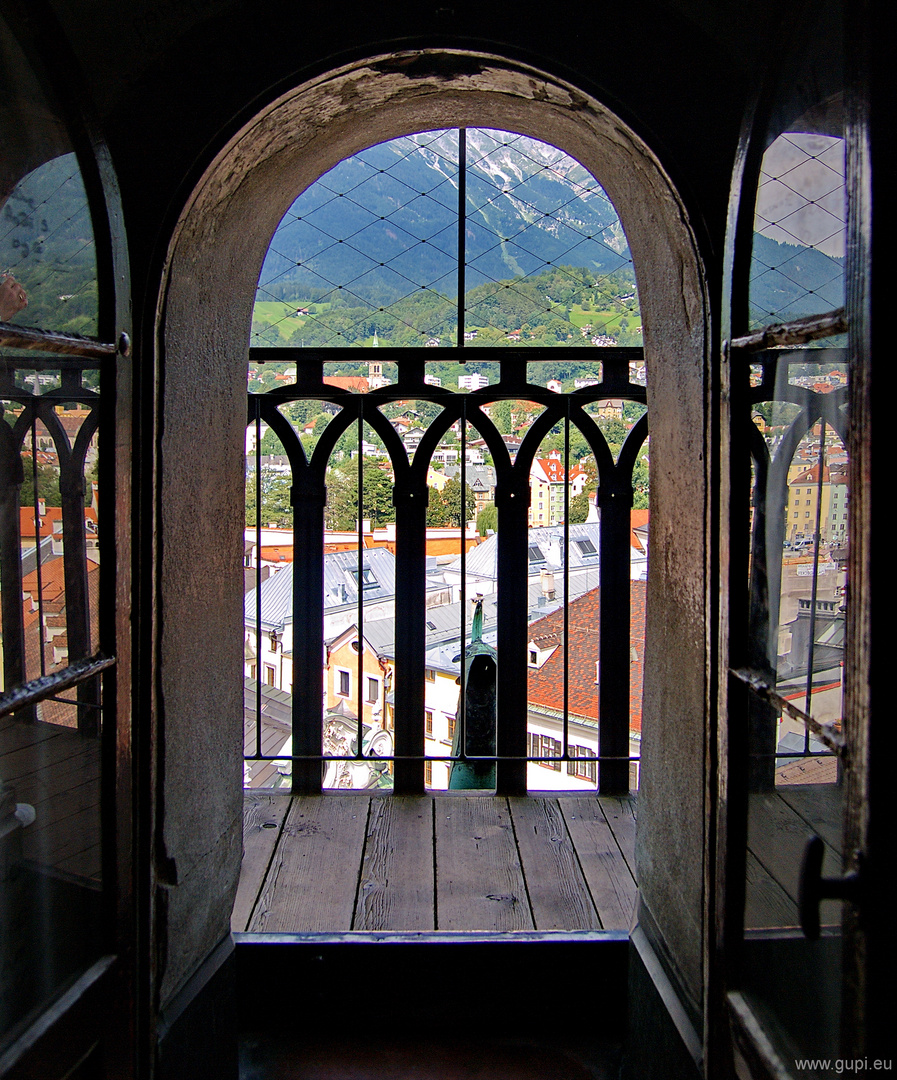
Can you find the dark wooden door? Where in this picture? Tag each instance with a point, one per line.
(66, 906)
(795, 973)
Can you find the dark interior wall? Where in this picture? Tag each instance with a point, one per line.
(186, 74)
(172, 83)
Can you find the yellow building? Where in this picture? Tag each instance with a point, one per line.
(802, 509)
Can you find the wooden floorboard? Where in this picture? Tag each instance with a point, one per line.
(313, 875)
(55, 770)
(479, 881)
(606, 869)
(766, 904)
(821, 806)
(332, 863)
(263, 818)
(558, 894)
(397, 878)
(777, 839)
(619, 812)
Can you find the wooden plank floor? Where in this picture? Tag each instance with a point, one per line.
(332, 863)
(56, 770)
(779, 825)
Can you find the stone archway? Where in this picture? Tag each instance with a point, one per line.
(204, 318)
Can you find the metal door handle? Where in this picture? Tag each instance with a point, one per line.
(813, 887)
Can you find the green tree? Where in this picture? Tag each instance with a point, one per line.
(444, 507)
(275, 492)
(47, 485)
(271, 444)
(640, 485)
(579, 508)
(487, 519)
(615, 431)
(342, 495)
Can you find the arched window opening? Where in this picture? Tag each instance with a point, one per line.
(404, 514)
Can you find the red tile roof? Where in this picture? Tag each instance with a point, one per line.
(348, 382)
(546, 684)
(51, 514)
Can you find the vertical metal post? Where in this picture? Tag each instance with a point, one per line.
(513, 541)
(258, 577)
(462, 230)
(359, 606)
(814, 590)
(613, 643)
(566, 578)
(308, 497)
(77, 604)
(410, 500)
(11, 574)
(462, 597)
(37, 545)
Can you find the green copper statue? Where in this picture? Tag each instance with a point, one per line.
(480, 671)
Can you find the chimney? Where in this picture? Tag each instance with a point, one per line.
(546, 578)
(42, 507)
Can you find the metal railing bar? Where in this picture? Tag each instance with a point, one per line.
(469, 757)
(826, 733)
(462, 232)
(814, 588)
(37, 690)
(462, 697)
(37, 546)
(534, 354)
(798, 332)
(258, 575)
(566, 642)
(28, 337)
(359, 584)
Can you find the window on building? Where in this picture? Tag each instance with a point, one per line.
(373, 691)
(343, 683)
(368, 580)
(583, 766)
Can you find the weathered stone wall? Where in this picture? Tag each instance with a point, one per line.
(214, 265)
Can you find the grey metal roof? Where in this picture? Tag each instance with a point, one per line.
(340, 586)
(484, 474)
(277, 600)
(443, 629)
(276, 730)
(546, 551)
(443, 622)
(341, 569)
(29, 558)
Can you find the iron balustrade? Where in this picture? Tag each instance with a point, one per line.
(410, 495)
(814, 418)
(31, 673)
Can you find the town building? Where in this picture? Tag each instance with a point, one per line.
(548, 482)
(474, 381)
